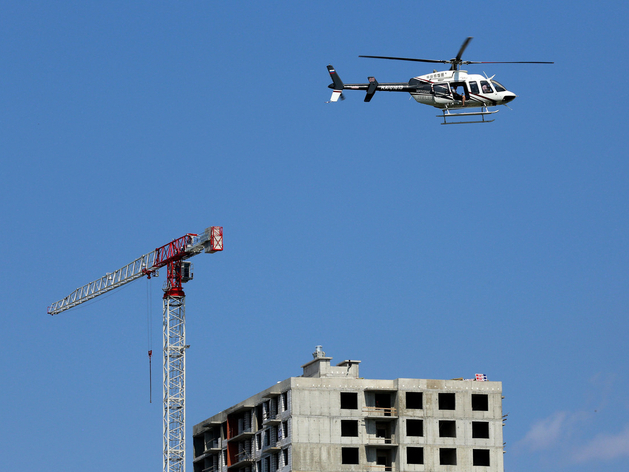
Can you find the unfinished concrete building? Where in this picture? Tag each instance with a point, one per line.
(331, 420)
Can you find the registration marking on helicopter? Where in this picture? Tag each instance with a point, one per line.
(439, 76)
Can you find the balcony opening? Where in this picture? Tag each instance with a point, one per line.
(383, 402)
(383, 432)
(285, 401)
(259, 417)
(199, 445)
(383, 457)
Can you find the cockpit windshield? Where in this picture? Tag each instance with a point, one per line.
(498, 86)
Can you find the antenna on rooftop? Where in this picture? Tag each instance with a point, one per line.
(318, 352)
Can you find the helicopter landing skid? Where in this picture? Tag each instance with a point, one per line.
(447, 114)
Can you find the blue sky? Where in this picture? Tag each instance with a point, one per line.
(423, 250)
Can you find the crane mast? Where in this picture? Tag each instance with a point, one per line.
(172, 255)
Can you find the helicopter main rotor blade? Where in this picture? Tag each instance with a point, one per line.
(406, 59)
(465, 43)
(509, 62)
(452, 61)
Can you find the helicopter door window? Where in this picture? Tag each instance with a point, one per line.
(485, 86)
(474, 87)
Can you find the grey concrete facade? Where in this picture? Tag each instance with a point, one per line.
(331, 420)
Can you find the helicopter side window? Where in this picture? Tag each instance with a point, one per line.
(485, 86)
(441, 89)
(420, 87)
(423, 87)
(498, 86)
(473, 87)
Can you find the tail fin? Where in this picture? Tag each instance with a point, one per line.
(336, 85)
(371, 89)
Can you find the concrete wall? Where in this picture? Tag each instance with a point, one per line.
(314, 441)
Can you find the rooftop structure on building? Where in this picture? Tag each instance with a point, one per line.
(331, 420)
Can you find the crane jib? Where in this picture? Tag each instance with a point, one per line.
(211, 240)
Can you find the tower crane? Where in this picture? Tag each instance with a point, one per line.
(172, 255)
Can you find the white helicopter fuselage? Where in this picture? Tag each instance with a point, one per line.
(474, 90)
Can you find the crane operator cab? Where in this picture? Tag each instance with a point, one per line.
(187, 271)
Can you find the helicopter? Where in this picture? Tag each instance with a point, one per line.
(440, 89)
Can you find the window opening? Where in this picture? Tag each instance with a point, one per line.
(447, 429)
(349, 428)
(414, 455)
(349, 400)
(414, 427)
(480, 429)
(414, 400)
(447, 401)
(474, 87)
(349, 455)
(480, 402)
(447, 456)
(484, 85)
(480, 457)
